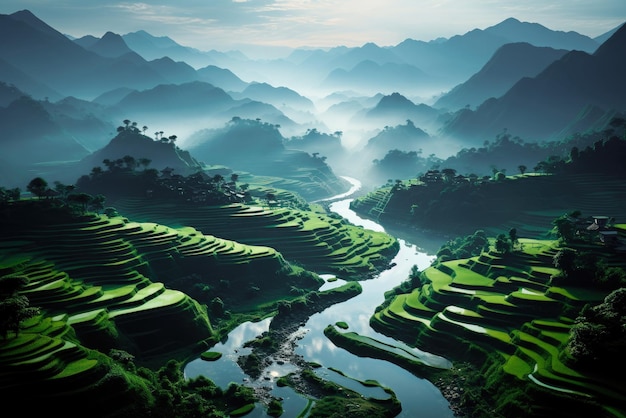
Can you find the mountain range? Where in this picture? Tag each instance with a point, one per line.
(543, 106)
(536, 83)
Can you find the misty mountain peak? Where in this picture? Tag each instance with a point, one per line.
(27, 17)
(111, 45)
(395, 100)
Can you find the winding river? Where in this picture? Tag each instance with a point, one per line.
(419, 397)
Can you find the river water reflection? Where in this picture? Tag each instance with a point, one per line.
(419, 397)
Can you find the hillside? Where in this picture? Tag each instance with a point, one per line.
(509, 64)
(128, 290)
(540, 108)
(506, 317)
(258, 147)
(452, 203)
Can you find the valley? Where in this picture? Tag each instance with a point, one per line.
(431, 228)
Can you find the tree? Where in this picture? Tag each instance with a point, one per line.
(129, 162)
(522, 168)
(503, 246)
(565, 260)
(14, 308)
(598, 338)
(564, 228)
(144, 162)
(82, 199)
(37, 186)
(513, 236)
(448, 173)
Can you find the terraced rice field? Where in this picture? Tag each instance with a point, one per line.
(96, 278)
(317, 241)
(501, 303)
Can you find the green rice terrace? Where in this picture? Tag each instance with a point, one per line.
(111, 283)
(315, 240)
(102, 283)
(507, 313)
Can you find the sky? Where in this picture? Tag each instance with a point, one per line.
(250, 25)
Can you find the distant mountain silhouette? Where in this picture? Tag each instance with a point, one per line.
(395, 109)
(509, 64)
(151, 47)
(257, 147)
(8, 94)
(323, 144)
(182, 100)
(31, 45)
(406, 137)
(459, 57)
(605, 36)
(30, 136)
(252, 109)
(535, 34)
(110, 45)
(87, 41)
(370, 77)
(540, 108)
(367, 52)
(36, 89)
(222, 78)
(175, 72)
(88, 122)
(278, 96)
(112, 97)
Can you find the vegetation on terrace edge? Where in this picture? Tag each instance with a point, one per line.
(444, 200)
(534, 327)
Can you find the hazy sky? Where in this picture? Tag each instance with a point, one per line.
(229, 24)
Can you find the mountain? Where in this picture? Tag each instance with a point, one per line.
(459, 57)
(252, 109)
(318, 143)
(16, 77)
(174, 72)
(31, 45)
(539, 108)
(280, 97)
(30, 135)
(509, 64)
(110, 45)
(370, 77)
(222, 78)
(535, 34)
(162, 153)
(265, 155)
(396, 109)
(88, 122)
(605, 36)
(151, 47)
(407, 137)
(177, 100)
(110, 98)
(87, 41)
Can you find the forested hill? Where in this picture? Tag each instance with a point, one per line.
(591, 180)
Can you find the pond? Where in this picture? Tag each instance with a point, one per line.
(418, 396)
